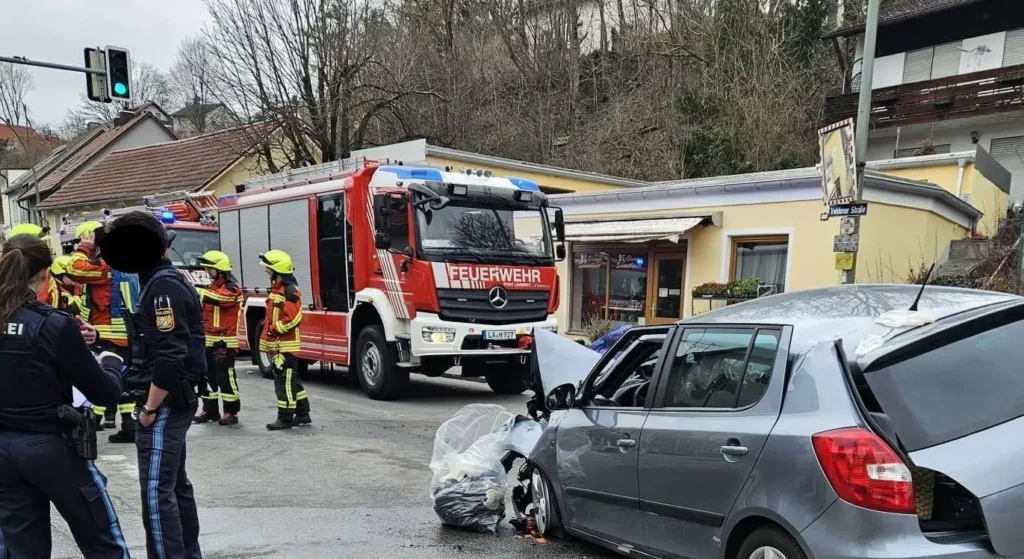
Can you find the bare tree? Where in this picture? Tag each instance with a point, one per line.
(192, 85)
(149, 83)
(15, 85)
(314, 69)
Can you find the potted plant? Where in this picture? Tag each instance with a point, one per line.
(710, 289)
(744, 288)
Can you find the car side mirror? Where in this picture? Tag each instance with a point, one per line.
(382, 240)
(559, 225)
(562, 397)
(560, 252)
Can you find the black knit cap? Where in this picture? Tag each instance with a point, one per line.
(134, 242)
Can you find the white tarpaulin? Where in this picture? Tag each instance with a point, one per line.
(634, 231)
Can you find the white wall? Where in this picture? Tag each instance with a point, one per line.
(982, 53)
(959, 138)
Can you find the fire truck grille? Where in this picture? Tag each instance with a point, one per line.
(473, 306)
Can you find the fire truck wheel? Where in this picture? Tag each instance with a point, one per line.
(507, 379)
(378, 375)
(262, 359)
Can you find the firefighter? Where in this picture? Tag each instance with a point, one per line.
(107, 293)
(221, 306)
(49, 294)
(280, 339)
(69, 292)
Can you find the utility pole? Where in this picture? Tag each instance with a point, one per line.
(867, 69)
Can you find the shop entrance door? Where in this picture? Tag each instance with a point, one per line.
(666, 291)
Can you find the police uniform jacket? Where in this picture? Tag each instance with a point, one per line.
(42, 355)
(170, 321)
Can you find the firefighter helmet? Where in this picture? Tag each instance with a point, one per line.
(87, 227)
(60, 265)
(30, 229)
(277, 261)
(217, 260)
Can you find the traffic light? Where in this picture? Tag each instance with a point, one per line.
(119, 74)
(96, 84)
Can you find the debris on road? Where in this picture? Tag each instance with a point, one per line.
(469, 482)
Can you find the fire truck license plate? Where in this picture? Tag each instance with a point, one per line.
(499, 334)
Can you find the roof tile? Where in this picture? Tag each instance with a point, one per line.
(891, 11)
(187, 164)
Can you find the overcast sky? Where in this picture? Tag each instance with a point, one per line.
(58, 30)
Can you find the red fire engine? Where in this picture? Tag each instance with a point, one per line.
(403, 269)
(189, 215)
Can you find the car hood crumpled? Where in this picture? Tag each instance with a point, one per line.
(559, 360)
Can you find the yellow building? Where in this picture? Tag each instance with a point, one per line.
(638, 255)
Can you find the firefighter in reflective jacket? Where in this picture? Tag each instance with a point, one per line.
(49, 294)
(107, 293)
(68, 292)
(280, 339)
(222, 301)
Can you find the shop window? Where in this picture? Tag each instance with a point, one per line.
(763, 258)
(608, 285)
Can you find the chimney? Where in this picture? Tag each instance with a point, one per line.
(123, 117)
(92, 125)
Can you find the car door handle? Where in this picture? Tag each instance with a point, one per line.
(626, 443)
(731, 450)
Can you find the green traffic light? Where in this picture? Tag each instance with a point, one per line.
(120, 88)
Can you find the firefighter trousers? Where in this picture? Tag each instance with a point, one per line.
(126, 405)
(219, 382)
(291, 396)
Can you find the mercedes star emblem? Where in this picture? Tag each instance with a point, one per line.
(498, 297)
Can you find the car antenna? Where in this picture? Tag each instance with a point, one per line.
(920, 292)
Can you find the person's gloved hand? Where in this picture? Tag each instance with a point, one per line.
(111, 361)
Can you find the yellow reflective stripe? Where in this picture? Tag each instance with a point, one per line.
(232, 342)
(233, 381)
(301, 395)
(229, 397)
(126, 299)
(100, 410)
(284, 328)
(285, 347)
(218, 297)
(282, 405)
(211, 396)
(126, 408)
(216, 317)
(288, 387)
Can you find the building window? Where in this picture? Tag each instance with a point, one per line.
(608, 285)
(763, 258)
(915, 151)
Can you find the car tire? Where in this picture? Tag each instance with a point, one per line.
(378, 373)
(262, 359)
(508, 379)
(545, 512)
(770, 542)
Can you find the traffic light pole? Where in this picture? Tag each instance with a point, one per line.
(867, 69)
(24, 61)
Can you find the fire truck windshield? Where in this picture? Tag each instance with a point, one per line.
(483, 231)
(190, 244)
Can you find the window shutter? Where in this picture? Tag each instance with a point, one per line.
(1009, 152)
(918, 66)
(1013, 53)
(946, 61)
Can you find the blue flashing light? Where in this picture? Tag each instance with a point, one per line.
(524, 184)
(167, 216)
(639, 261)
(414, 173)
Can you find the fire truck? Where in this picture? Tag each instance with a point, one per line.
(191, 216)
(403, 269)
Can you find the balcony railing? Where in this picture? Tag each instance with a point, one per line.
(981, 93)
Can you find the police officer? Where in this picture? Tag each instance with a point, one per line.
(169, 355)
(42, 354)
(49, 293)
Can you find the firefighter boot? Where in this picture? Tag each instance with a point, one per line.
(302, 420)
(229, 419)
(282, 422)
(108, 419)
(127, 432)
(203, 417)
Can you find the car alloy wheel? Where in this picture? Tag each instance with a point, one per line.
(541, 502)
(767, 552)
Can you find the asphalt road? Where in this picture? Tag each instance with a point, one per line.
(354, 484)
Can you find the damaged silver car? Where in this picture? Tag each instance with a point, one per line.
(852, 421)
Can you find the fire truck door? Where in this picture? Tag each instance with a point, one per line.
(394, 251)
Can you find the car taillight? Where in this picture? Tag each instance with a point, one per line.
(864, 470)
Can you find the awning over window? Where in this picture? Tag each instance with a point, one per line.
(632, 231)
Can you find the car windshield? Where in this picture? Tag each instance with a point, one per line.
(189, 245)
(475, 228)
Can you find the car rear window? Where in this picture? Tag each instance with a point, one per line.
(954, 390)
